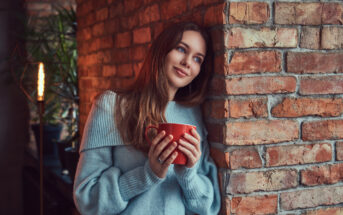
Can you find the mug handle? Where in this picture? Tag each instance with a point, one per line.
(146, 132)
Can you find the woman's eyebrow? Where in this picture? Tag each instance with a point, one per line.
(187, 46)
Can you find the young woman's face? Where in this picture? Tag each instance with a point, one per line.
(183, 63)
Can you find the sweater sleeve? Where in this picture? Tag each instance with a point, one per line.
(199, 184)
(100, 187)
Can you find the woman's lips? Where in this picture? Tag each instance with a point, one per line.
(180, 72)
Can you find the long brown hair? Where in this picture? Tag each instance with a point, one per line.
(144, 103)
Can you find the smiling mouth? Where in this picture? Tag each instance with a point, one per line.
(180, 72)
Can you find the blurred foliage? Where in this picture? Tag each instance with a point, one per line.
(51, 40)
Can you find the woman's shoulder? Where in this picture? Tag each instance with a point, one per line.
(105, 100)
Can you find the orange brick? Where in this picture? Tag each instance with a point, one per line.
(300, 107)
(215, 15)
(260, 132)
(249, 12)
(221, 158)
(255, 62)
(298, 154)
(321, 85)
(266, 204)
(320, 62)
(141, 35)
(260, 85)
(248, 108)
(322, 130)
(328, 174)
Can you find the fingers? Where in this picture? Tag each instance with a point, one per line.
(160, 147)
(170, 159)
(184, 145)
(166, 153)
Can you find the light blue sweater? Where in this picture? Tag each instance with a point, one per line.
(113, 178)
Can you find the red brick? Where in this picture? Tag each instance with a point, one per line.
(322, 130)
(321, 85)
(101, 83)
(130, 22)
(248, 108)
(248, 182)
(94, 45)
(221, 65)
(311, 197)
(98, 29)
(116, 10)
(217, 86)
(85, 83)
(249, 12)
(217, 36)
(105, 56)
(299, 107)
(260, 85)
(132, 5)
(216, 109)
(339, 151)
(124, 71)
(106, 42)
(325, 211)
(310, 38)
(94, 71)
(332, 38)
(260, 132)
(298, 154)
(102, 14)
(225, 206)
(84, 8)
(99, 4)
(149, 14)
(332, 13)
(141, 35)
(215, 15)
(138, 53)
(196, 3)
(88, 20)
(112, 26)
(215, 132)
(120, 56)
(266, 204)
(314, 62)
(173, 8)
(263, 37)
(319, 175)
(84, 34)
(123, 39)
(255, 62)
(298, 13)
(221, 158)
(108, 70)
(245, 158)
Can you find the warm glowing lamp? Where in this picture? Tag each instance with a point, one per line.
(41, 82)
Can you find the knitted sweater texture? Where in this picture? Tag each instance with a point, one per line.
(114, 178)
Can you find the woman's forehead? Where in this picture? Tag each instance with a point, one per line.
(195, 41)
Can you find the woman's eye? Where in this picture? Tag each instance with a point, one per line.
(180, 49)
(198, 60)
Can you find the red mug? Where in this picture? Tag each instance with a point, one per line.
(177, 130)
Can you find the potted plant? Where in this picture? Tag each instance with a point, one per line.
(52, 40)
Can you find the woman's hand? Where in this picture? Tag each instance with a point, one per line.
(190, 146)
(161, 154)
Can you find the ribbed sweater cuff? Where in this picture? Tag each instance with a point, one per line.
(188, 181)
(152, 177)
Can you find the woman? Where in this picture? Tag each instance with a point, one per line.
(118, 172)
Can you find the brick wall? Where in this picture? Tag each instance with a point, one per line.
(274, 113)
(276, 108)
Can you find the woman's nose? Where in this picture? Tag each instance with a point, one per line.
(185, 61)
